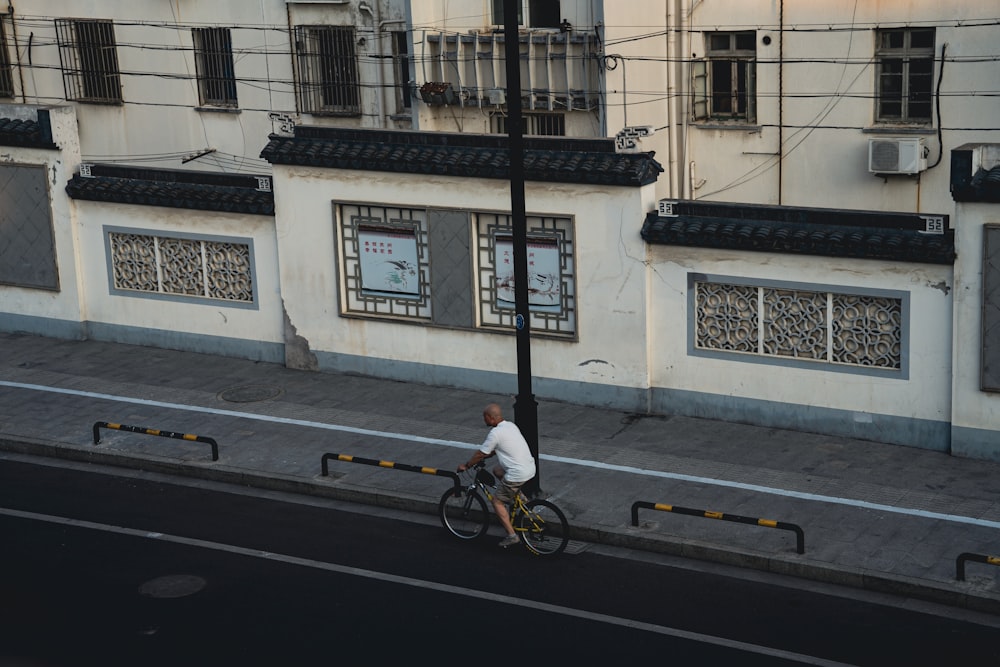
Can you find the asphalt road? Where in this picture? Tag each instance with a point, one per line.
(130, 568)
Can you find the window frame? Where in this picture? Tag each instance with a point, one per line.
(706, 101)
(905, 55)
(327, 83)
(535, 124)
(401, 69)
(533, 10)
(89, 62)
(6, 71)
(215, 67)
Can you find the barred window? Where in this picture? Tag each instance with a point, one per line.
(200, 268)
(213, 59)
(89, 60)
(864, 330)
(6, 79)
(724, 83)
(538, 124)
(401, 63)
(327, 73)
(541, 13)
(905, 59)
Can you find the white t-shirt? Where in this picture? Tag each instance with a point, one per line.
(512, 452)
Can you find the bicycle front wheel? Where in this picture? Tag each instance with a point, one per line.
(543, 528)
(464, 514)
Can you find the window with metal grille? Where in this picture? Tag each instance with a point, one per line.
(6, 80)
(327, 74)
(724, 83)
(540, 124)
(541, 13)
(213, 59)
(905, 59)
(89, 60)
(401, 58)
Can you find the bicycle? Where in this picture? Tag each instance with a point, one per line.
(541, 526)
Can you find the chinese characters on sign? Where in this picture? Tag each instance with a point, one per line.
(388, 259)
(544, 283)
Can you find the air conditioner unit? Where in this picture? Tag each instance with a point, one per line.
(896, 155)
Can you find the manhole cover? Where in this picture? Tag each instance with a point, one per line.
(172, 586)
(250, 393)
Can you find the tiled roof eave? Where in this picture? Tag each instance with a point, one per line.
(630, 170)
(171, 195)
(23, 134)
(901, 245)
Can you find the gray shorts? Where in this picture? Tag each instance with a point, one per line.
(507, 491)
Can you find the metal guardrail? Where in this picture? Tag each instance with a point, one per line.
(154, 431)
(800, 540)
(325, 464)
(976, 558)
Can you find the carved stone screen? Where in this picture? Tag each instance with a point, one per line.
(991, 308)
(27, 246)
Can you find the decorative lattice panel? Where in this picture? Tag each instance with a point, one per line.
(190, 267)
(827, 327)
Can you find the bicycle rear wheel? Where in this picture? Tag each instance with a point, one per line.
(543, 528)
(464, 513)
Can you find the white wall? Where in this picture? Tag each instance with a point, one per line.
(263, 324)
(611, 287)
(924, 395)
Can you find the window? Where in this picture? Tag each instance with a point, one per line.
(385, 270)
(401, 62)
(792, 323)
(551, 274)
(327, 70)
(541, 13)
(905, 75)
(6, 80)
(89, 61)
(539, 124)
(725, 81)
(213, 59)
(194, 267)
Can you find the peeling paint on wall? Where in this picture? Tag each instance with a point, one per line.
(298, 355)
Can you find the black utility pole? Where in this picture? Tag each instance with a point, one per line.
(525, 407)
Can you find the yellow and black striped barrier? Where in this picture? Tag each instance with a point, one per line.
(800, 539)
(387, 464)
(155, 431)
(976, 558)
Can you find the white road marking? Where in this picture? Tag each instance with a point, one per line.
(421, 583)
(546, 457)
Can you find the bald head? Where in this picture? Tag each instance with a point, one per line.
(492, 414)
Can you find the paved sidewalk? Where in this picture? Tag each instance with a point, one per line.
(879, 517)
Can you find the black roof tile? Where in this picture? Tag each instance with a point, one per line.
(550, 159)
(203, 191)
(25, 133)
(802, 231)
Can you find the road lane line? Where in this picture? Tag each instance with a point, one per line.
(925, 514)
(421, 583)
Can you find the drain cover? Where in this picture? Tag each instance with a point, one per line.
(172, 586)
(250, 393)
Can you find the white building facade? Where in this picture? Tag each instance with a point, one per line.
(740, 211)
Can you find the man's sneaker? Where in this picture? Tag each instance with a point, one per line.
(510, 540)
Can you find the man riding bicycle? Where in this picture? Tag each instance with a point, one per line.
(516, 464)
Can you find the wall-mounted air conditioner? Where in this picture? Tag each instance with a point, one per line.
(897, 155)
